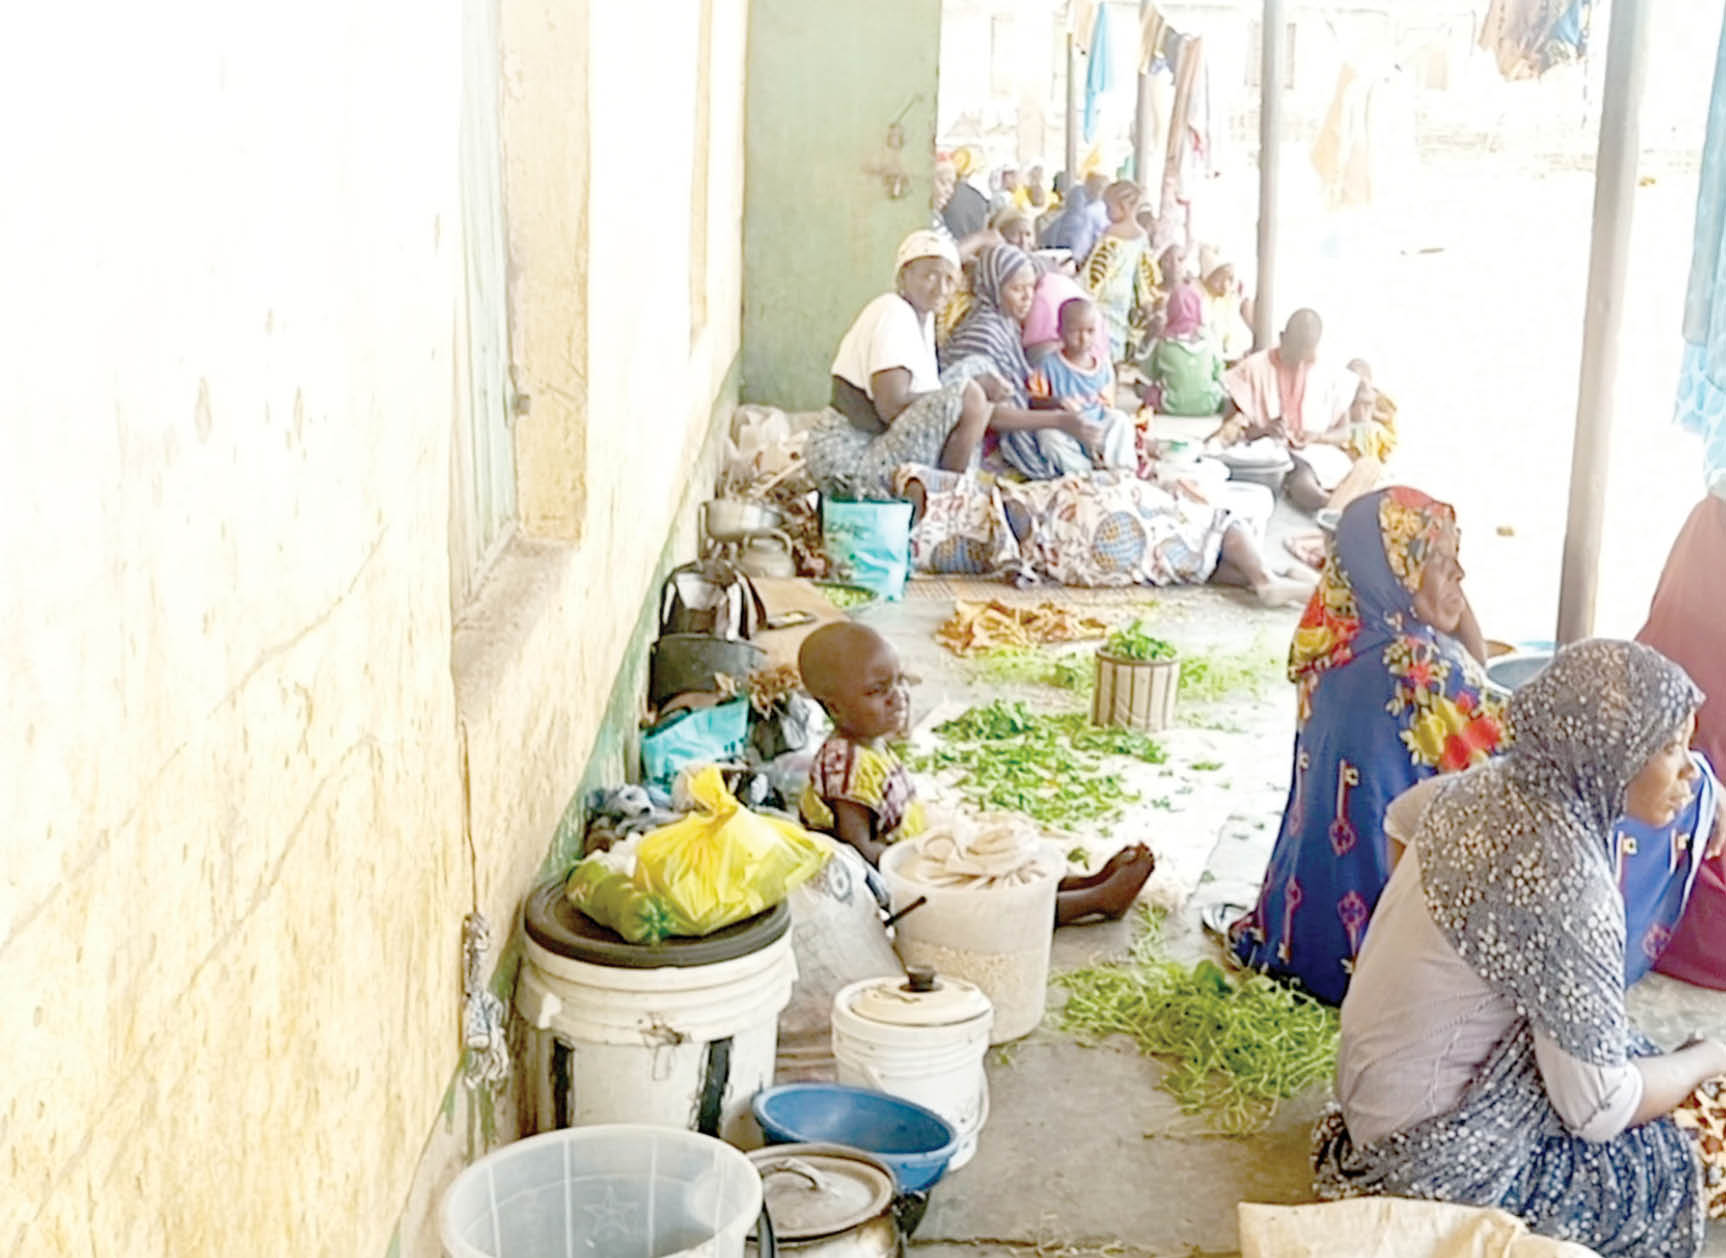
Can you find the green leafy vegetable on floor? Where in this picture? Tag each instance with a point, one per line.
(1050, 767)
(1077, 673)
(1135, 642)
(1207, 766)
(1234, 1045)
(1027, 666)
(1206, 676)
(845, 597)
(1212, 676)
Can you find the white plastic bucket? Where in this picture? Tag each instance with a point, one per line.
(998, 939)
(939, 1067)
(615, 1044)
(603, 1192)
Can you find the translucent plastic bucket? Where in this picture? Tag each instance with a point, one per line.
(603, 1192)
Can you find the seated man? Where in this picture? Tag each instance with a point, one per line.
(1286, 394)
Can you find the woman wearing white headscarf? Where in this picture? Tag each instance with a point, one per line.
(1486, 1055)
(892, 404)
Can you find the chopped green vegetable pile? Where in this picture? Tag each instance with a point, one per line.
(1049, 767)
(1216, 675)
(847, 596)
(1014, 665)
(1134, 642)
(1207, 676)
(1238, 1044)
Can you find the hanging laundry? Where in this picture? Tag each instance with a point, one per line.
(1702, 378)
(1529, 37)
(1082, 22)
(1342, 151)
(1184, 155)
(1151, 29)
(1099, 74)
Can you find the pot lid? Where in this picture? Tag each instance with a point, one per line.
(558, 926)
(816, 1190)
(922, 998)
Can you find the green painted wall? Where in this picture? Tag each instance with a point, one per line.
(826, 78)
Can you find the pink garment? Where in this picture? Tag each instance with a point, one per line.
(1185, 313)
(1684, 623)
(1319, 395)
(1042, 326)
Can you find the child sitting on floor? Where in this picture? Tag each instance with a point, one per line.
(1184, 367)
(862, 794)
(1225, 307)
(1082, 381)
(858, 790)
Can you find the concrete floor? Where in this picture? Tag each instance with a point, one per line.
(1083, 1153)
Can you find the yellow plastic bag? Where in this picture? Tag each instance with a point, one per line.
(698, 875)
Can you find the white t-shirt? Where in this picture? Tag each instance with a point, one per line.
(1418, 1023)
(887, 334)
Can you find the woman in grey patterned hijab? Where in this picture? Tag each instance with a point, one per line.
(1515, 873)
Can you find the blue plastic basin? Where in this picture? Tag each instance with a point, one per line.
(916, 1142)
(1511, 671)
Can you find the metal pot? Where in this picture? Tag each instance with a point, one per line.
(734, 519)
(767, 555)
(834, 1201)
(684, 663)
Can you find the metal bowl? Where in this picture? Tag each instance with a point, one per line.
(1249, 458)
(1270, 477)
(734, 519)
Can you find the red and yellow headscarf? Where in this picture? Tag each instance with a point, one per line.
(1388, 534)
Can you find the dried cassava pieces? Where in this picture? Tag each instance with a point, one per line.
(979, 627)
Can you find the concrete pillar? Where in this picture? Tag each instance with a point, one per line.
(1271, 54)
(1144, 124)
(1608, 260)
(1075, 106)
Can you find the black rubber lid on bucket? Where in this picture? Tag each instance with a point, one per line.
(558, 926)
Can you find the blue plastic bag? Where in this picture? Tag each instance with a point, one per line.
(868, 544)
(712, 735)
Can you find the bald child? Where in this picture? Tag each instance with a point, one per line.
(858, 790)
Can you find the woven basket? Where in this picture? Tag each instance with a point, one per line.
(1135, 694)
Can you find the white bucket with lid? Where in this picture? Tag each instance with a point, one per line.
(996, 937)
(681, 1034)
(922, 1038)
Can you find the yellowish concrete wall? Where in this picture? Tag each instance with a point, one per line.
(234, 867)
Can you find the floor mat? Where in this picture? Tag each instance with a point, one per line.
(981, 590)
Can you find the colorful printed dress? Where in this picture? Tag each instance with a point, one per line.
(1122, 275)
(865, 773)
(1386, 701)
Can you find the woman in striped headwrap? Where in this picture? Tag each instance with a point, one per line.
(1048, 443)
